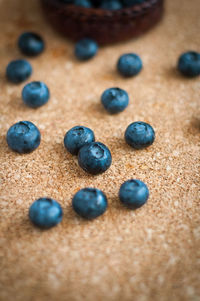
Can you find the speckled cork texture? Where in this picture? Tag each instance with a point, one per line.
(151, 254)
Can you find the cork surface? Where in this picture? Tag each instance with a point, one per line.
(148, 254)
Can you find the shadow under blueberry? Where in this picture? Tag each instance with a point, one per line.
(16, 104)
(97, 109)
(195, 124)
(73, 222)
(4, 146)
(68, 163)
(120, 144)
(19, 227)
(193, 129)
(3, 79)
(8, 48)
(118, 210)
(173, 73)
(111, 74)
(72, 218)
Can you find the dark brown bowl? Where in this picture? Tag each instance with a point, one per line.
(102, 25)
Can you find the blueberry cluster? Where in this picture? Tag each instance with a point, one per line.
(89, 203)
(130, 64)
(36, 93)
(93, 157)
(103, 4)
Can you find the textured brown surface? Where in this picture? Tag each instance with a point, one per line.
(149, 254)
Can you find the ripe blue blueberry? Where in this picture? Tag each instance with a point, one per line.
(45, 213)
(23, 137)
(18, 71)
(111, 4)
(129, 64)
(139, 135)
(94, 158)
(189, 64)
(115, 100)
(35, 94)
(132, 2)
(31, 43)
(133, 193)
(84, 3)
(77, 137)
(85, 49)
(89, 203)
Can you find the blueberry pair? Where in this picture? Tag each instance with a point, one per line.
(128, 65)
(188, 64)
(93, 157)
(89, 203)
(30, 44)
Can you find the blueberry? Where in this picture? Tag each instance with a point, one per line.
(45, 213)
(133, 193)
(35, 94)
(18, 71)
(115, 100)
(111, 4)
(94, 158)
(31, 43)
(189, 64)
(84, 3)
(132, 2)
(77, 137)
(129, 64)
(23, 137)
(139, 135)
(85, 49)
(89, 203)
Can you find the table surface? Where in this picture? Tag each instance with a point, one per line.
(148, 254)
